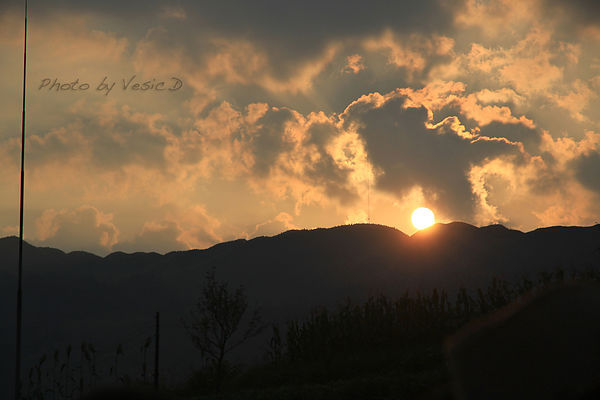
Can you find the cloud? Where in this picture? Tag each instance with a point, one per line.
(354, 64)
(85, 227)
(576, 99)
(11, 28)
(198, 227)
(305, 158)
(509, 193)
(229, 62)
(582, 11)
(104, 134)
(557, 187)
(173, 12)
(236, 61)
(394, 141)
(276, 25)
(404, 141)
(357, 217)
(477, 108)
(9, 231)
(586, 170)
(407, 150)
(498, 17)
(158, 237)
(412, 52)
(500, 96)
(515, 131)
(182, 228)
(277, 149)
(527, 66)
(280, 223)
(534, 65)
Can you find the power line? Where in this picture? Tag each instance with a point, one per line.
(20, 273)
(156, 342)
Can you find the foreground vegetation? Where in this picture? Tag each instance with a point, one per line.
(383, 348)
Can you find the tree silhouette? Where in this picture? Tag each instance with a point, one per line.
(213, 323)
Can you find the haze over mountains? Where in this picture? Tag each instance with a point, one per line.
(70, 297)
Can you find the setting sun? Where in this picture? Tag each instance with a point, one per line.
(422, 218)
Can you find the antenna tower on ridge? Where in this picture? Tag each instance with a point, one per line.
(369, 200)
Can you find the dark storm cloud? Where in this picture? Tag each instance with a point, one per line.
(268, 142)
(326, 172)
(113, 8)
(321, 133)
(278, 19)
(410, 154)
(281, 136)
(126, 142)
(587, 170)
(517, 132)
(586, 11)
(290, 29)
(301, 26)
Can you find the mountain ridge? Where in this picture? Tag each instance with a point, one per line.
(437, 226)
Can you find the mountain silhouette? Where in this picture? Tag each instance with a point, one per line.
(70, 297)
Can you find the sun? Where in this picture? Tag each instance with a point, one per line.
(422, 218)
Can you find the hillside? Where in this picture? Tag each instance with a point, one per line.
(70, 297)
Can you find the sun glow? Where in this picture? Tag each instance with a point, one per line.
(422, 218)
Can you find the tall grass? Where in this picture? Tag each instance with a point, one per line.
(388, 344)
(62, 378)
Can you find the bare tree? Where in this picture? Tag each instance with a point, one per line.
(214, 322)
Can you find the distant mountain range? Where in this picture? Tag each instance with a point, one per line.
(70, 297)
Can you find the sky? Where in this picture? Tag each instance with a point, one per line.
(295, 114)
